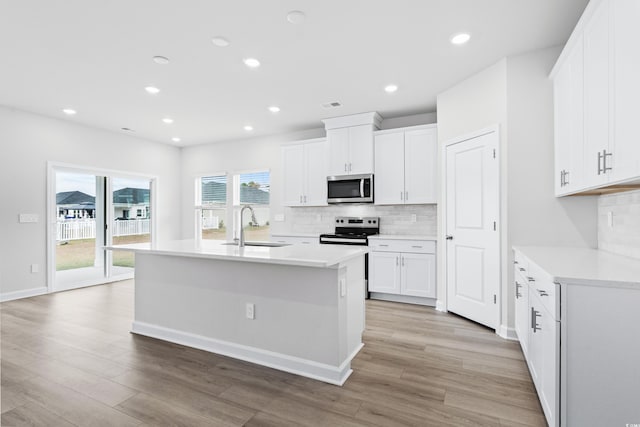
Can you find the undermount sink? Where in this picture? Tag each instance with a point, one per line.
(267, 244)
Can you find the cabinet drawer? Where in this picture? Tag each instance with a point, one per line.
(542, 284)
(414, 246)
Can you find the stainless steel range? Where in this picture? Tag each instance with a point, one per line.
(354, 231)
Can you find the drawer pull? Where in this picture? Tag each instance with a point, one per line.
(419, 247)
(518, 294)
(542, 293)
(531, 279)
(534, 320)
(384, 246)
(521, 268)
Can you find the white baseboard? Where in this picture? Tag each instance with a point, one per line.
(10, 296)
(336, 375)
(440, 306)
(403, 298)
(507, 333)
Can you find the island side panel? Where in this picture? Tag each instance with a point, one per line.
(296, 311)
(352, 310)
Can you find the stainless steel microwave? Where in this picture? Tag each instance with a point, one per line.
(350, 189)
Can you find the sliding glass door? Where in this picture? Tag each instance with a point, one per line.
(91, 210)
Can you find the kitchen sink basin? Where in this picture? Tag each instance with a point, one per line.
(267, 244)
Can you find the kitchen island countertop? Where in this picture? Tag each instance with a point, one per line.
(322, 256)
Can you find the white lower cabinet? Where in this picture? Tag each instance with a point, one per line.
(580, 337)
(402, 268)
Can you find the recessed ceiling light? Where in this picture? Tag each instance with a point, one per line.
(162, 60)
(69, 111)
(295, 17)
(175, 139)
(274, 109)
(152, 90)
(167, 120)
(461, 38)
(390, 88)
(220, 41)
(248, 128)
(251, 62)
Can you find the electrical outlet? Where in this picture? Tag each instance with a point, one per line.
(251, 311)
(35, 268)
(610, 219)
(25, 218)
(343, 287)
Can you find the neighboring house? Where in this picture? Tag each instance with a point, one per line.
(131, 203)
(75, 204)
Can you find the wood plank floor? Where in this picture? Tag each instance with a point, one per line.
(68, 359)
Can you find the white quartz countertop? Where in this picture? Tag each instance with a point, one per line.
(402, 237)
(322, 256)
(584, 266)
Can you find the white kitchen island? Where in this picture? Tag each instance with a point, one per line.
(307, 302)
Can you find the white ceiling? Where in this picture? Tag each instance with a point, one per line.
(96, 57)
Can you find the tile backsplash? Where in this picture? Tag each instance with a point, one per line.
(395, 220)
(622, 235)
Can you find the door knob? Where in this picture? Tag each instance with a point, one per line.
(449, 237)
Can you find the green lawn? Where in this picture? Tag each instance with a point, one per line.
(81, 253)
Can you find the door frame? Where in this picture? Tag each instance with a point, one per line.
(52, 214)
(442, 303)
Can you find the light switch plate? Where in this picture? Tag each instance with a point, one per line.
(26, 218)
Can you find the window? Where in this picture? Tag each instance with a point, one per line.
(211, 206)
(252, 189)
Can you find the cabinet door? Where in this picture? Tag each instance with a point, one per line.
(535, 338)
(293, 175)
(522, 312)
(338, 140)
(384, 272)
(316, 174)
(420, 164)
(417, 277)
(389, 171)
(625, 147)
(549, 357)
(569, 122)
(360, 149)
(596, 94)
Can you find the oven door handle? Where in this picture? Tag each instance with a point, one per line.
(361, 187)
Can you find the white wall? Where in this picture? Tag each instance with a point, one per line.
(234, 157)
(27, 143)
(517, 94)
(476, 103)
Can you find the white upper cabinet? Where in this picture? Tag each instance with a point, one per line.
(405, 165)
(569, 120)
(596, 96)
(625, 144)
(350, 141)
(305, 173)
(596, 88)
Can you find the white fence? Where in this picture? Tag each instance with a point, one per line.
(76, 229)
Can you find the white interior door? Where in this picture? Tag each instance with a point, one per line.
(472, 208)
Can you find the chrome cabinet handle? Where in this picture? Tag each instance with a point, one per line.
(417, 247)
(301, 199)
(305, 199)
(345, 167)
(383, 245)
(401, 194)
(566, 181)
(521, 268)
(449, 237)
(542, 293)
(397, 260)
(349, 167)
(406, 196)
(518, 294)
(402, 261)
(534, 320)
(515, 262)
(599, 161)
(531, 279)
